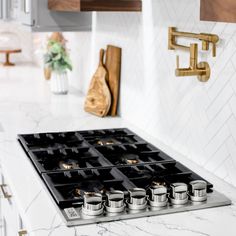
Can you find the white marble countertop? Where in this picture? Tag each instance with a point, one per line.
(27, 106)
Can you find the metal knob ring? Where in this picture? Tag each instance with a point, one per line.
(138, 199)
(198, 190)
(92, 204)
(179, 193)
(115, 201)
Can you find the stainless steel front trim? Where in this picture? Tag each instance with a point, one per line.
(213, 200)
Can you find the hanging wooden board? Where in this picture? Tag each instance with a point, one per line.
(113, 66)
(218, 10)
(98, 100)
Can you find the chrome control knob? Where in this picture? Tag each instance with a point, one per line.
(92, 204)
(137, 199)
(198, 190)
(179, 194)
(158, 196)
(115, 201)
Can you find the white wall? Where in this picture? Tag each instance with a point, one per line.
(197, 119)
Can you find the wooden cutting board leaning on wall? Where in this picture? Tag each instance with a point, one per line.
(98, 99)
(113, 66)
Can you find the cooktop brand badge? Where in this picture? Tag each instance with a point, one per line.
(71, 213)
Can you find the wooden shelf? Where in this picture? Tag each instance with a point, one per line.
(218, 10)
(94, 5)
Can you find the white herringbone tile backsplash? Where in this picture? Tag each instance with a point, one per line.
(197, 119)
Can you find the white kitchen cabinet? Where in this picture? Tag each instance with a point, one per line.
(12, 223)
(35, 15)
(9, 9)
(5, 9)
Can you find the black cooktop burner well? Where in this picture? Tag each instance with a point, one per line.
(97, 161)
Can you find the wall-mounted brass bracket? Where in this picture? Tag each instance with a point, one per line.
(205, 38)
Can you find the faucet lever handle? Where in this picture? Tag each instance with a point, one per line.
(177, 61)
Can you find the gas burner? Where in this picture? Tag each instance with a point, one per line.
(68, 164)
(130, 158)
(158, 183)
(107, 141)
(88, 187)
(77, 192)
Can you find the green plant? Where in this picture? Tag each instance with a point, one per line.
(56, 58)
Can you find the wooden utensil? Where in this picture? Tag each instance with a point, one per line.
(113, 66)
(98, 100)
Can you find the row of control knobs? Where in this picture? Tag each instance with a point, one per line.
(138, 198)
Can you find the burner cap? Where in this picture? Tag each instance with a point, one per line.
(130, 158)
(68, 164)
(89, 187)
(158, 183)
(107, 141)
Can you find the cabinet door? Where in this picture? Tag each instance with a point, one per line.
(26, 12)
(1, 9)
(9, 210)
(1, 216)
(14, 6)
(8, 9)
(36, 15)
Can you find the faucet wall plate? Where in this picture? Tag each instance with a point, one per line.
(204, 65)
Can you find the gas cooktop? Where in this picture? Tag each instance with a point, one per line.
(104, 175)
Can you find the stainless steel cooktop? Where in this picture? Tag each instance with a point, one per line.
(104, 175)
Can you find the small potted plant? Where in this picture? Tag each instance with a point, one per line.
(57, 62)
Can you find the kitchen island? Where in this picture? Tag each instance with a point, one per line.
(27, 106)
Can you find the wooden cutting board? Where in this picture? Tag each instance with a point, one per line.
(98, 100)
(113, 66)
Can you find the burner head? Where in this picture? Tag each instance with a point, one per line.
(89, 187)
(130, 158)
(68, 164)
(156, 183)
(107, 141)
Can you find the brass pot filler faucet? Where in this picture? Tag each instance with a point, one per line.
(202, 69)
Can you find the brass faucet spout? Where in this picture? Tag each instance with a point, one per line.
(205, 38)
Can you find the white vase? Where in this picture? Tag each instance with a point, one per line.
(59, 83)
